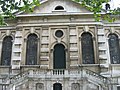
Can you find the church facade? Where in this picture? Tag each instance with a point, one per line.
(59, 46)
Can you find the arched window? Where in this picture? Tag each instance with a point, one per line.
(114, 49)
(59, 8)
(59, 57)
(57, 86)
(6, 51)
(31, 49)
(107, 6)
(87, 48)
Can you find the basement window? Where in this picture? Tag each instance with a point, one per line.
(59, 8)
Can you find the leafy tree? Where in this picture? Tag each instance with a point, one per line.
(96, 6)
(9, 6)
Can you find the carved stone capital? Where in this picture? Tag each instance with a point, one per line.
(25, 39)
(80, 38)
(52, 50)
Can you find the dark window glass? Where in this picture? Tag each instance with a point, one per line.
(59, 8)
(59, 33)
(31, 50)
(57, 86)
(59, 57)
(6, 51)
(87, 48)
(107, 6)
(118, 87)
(114, 49)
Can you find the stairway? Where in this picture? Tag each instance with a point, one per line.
(55, 74)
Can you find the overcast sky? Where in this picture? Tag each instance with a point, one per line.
(115, 3)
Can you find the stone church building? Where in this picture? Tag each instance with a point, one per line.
(59, 46)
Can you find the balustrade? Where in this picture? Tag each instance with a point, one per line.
(94, 75)
(58, 73)
(19, 77)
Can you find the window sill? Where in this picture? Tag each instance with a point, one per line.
(88, 65)
(115, 65)
(30, 66)
(59, 11)
(2, 66)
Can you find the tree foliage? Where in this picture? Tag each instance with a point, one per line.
(9, 6)
(96, 6)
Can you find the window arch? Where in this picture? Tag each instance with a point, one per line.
(57, 86)
(59, 8)
(6, 51)
(59, 57)
(87, 48)
(114, 48)
(31, 49)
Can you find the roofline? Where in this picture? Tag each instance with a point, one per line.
(18, 14)
(55, 14)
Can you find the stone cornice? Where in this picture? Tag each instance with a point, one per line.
(60, 24)
(7, 28)
(54, 14)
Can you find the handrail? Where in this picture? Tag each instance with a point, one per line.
(58, 72)
(19, 76)
(97, 75)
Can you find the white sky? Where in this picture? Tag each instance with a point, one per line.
(114, 3)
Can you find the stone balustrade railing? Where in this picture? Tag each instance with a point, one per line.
(115, 80)
(78, 73)
(95, 76)
(19, 77)
(58, 73)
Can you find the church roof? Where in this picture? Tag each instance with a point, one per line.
(57, 7)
